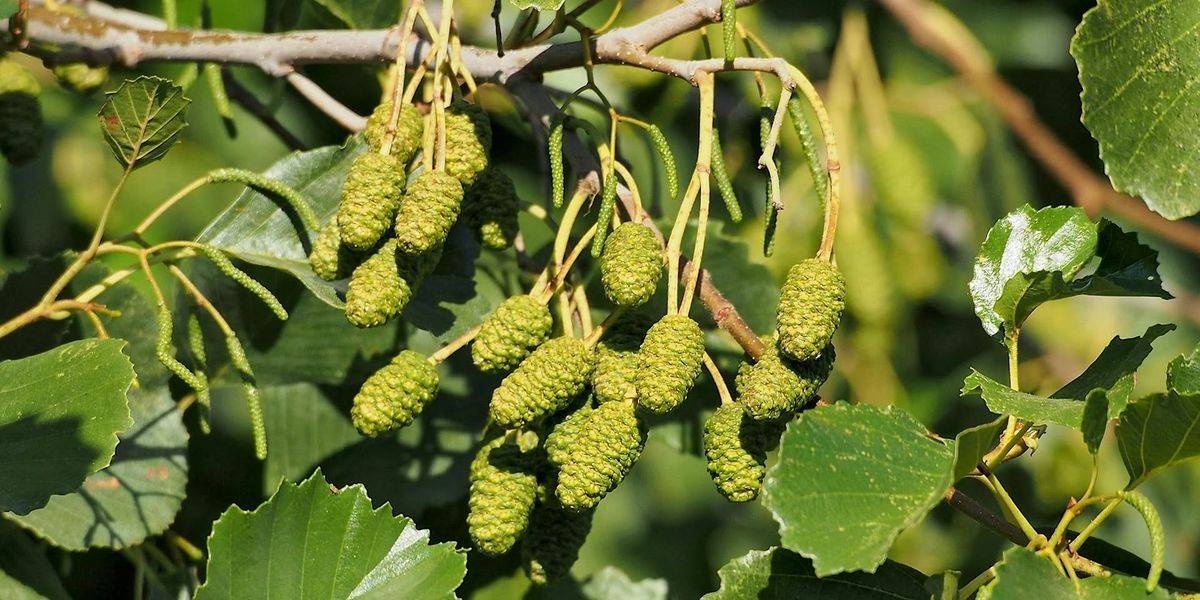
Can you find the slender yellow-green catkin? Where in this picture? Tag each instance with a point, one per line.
(631, 265)
(20, 113)
(552, 541)
(810, 308)
(410, 128)
(384, 283)
(604, 449)
(369, 200)
(395, 395)
(776, 385)
(490, 209)
(543, 384)
(330, 259)
(518, 326)
(503, 491)
(468, 141)
(617, 358)
(427, 211)
(669, 361)
(736, 448)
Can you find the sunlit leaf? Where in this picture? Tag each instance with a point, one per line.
(142, 119)
(778, 573)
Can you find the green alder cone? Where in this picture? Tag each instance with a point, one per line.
(395, 395)
(669, 362)
(552, 541)
(543, 384)
(503, 491)
(603, 450)
(776, 386)
(427, 211)
(631, 265)
(468, 141)
(518, 326)
(490, 209)
(81, 78)
(369, 200)
(20, 113)
(330, 259)
(410, 129)
(562, 438)
(736, 448)
(617, 358)
(810, 308)
(384, 283)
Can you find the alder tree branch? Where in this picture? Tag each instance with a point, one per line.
(1090, 191)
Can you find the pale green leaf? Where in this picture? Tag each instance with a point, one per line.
(1139, 63)
(610, 583)
(1157, 432)
(778, 573)
(1183, 374)
(142, 119)
(25, 573)
(310, 541)
(971, 445)
(1022, 575)
(60, 412)
(849, 479)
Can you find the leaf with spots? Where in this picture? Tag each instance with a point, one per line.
(142, 119)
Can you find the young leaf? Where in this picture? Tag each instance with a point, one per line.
(613, 584)
(971, 445)
(1137, 67)
(60, 412)
(836, 492)
(778, 573)
(1158, 431)
(142, 119)
(311, 541)
(1021, 574)
(1032, 256)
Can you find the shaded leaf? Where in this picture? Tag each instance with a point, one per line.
(304, 427)
(836, 490)
(25, 573)
(60, 412)
(310, 541)
(1156, 432)
(778, 573)
(8, 8)
(1095, 420)
(610, 583)
(972, 444)
(364, 14)
(1021, 575)
(142, 119)
(1138, 64)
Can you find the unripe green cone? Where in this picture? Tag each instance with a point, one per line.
(736, 448)
(631, 265)
(562, 438)
(384, 283)
(427, 211)
(329, 259)
(20, 113)
(810, 308)
(668, 363)
(490, 209)
(369, 200)
(410, 128)
(81, 78)
(395, 394)
(543, 384)
(604, 449)
(518, 326)
(468, 141)
(776, 386)
(552, 541)
(503, 490)
(617, 358)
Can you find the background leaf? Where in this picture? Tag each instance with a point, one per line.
(1156, 432)
(1022, 575)
(60, 412)
(613, 584)
(142, 119)
(25, 574)
(778, 573)
(309, 541)
(1137, 65)
(538, 4)
(836, 490)
(1183, 374)
(364, 14)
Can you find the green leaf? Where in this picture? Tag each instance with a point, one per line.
(778, 573)
(538, 4)
(304, 427)
(1031, 257)
(142, 119)
(135, 497)
(310, 541)
(8, 8)
(610, 583)
(1183, 374)
(25, 573)
(364, 14)
(836, 490)
(1138, 65)
(1004, 400)
(60, 412)
(1095, 420)
(971, 445)
(1119, 559)
(1021, 575)
(1157, 432)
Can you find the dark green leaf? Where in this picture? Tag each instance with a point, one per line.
(1031, 257)
(970, 445)
(613, 584)
(778, 573)
(25, 574)
(135, 497)
(1183, 374)
(364, 14)
(1022, 575)
(304, 427)
(142, 119)
(1137, 64)
(1156, 432)
(836, 491)
(60, 412)
(311, 541)
(1128, 563)
(538, 4)
(1095, 420)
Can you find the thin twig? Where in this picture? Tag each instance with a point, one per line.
(318, 97)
